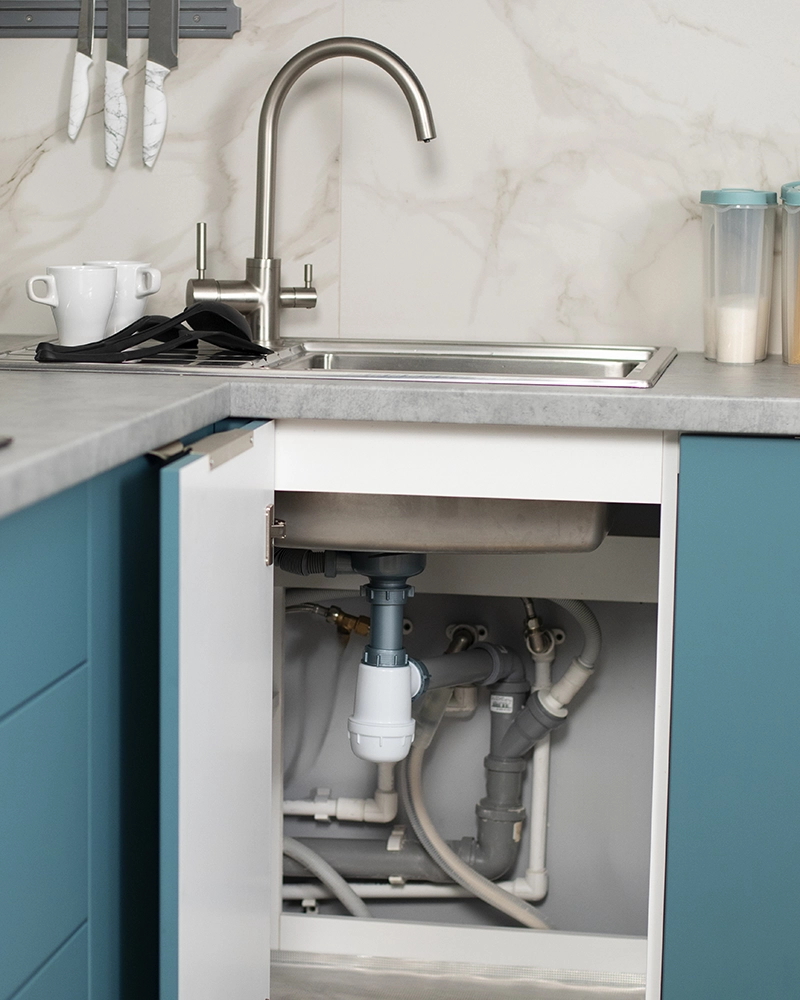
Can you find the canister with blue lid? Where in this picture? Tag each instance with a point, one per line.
(738, 247)
(790, 269)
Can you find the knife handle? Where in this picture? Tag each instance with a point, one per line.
(116, 111)
(155, 111)
(79, 98)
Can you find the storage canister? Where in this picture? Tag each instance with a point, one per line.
(790, 263)
(738, 246)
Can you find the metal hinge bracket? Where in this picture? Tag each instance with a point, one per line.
(223, 446)
(276, 530)
(167, 453)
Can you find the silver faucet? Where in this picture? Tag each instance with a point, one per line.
(260, 295)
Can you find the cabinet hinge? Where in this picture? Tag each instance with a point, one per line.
(219, 448)
(223, 446)
(168, 452)
(276, 530)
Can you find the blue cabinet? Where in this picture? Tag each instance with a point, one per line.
(733, 871)
(79, 730)
(79, 741)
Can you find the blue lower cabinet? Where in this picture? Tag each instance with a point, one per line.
(43, 594)
(79, 742)
(44, 827)
(732, 913)
(65, 976)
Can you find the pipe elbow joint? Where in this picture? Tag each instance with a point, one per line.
(506, 664)
(530, 726)
(494, 852)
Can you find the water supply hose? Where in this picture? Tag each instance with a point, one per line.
(546, 710)
(329, 877)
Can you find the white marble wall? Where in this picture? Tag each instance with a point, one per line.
(558, 203)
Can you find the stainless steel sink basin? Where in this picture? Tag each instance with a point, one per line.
(369, 522)
(512, 364)
(407, 361)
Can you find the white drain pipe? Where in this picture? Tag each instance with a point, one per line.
(381, 808)
(533, 885)
(299, 891)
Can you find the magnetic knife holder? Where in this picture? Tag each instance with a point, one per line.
(59, 18)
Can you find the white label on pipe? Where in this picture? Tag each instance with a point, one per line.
(503, 703)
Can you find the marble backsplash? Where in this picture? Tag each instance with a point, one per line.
(559, 203)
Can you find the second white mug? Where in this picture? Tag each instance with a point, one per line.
(135, 281)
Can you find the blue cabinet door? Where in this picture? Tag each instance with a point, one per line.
(79, 742)
(732, 912)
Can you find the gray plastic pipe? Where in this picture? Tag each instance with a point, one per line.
(449, 862)
(430, 715)
(331, 879)
(483, 663)
(302, 595)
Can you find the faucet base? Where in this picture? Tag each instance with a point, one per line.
(259, 297)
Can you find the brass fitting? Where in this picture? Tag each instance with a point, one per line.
(537, 639)
(345, 623)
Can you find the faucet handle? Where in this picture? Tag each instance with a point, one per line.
(301, 298)
(201, 250)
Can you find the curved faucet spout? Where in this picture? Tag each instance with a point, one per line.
(329, 48)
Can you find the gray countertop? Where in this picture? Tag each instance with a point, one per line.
(69, 426)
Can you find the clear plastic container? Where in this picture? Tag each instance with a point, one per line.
(790, 267)
(738, 248)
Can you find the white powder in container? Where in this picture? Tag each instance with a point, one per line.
(741, 338)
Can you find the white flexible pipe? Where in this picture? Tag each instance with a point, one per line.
(381, 808)
(582, 667)
(327, 875)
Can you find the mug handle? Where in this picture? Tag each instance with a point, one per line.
(148, 281)
(51, 298)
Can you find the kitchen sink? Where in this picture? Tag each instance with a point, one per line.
(512, 364)
(406, 361)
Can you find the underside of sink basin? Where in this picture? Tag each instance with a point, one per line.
(373, 522)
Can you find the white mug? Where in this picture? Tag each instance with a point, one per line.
(81, 299)
(135, 281)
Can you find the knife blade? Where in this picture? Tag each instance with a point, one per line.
(116, 104)
(79, 96)
(162, 57)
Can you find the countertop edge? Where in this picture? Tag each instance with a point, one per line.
(70, 426)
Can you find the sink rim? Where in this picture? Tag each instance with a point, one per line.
(650, 363)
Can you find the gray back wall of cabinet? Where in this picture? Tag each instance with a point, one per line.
(598, 847)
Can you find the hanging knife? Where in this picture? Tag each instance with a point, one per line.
(162, 56)
(116, 105)
(79, 98)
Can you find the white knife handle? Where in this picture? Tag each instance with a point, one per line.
(116, 111)
(79, 98)
(155, 111)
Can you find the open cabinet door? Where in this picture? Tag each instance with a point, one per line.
(216, 712)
